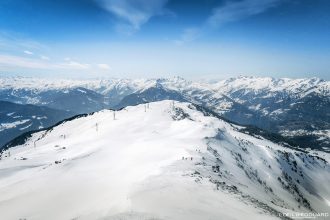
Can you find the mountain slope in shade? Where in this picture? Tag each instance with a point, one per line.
(16, 119)
(295, 108)
(162, 162)
(78, 99)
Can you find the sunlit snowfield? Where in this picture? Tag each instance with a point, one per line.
(164, 160)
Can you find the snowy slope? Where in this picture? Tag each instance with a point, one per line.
(157, 161)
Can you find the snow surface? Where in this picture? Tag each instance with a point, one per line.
(4, 126)
(161, 162)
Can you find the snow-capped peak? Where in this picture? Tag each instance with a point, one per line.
(269, 84)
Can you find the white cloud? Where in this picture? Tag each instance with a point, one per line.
(73, 65)
(230, 11)
(14, 41)
(44, 57)
(188, 35)
(134, 12)
(237, 10)
(28, 52)
(23, 62)
(103, 66)
(16, 61)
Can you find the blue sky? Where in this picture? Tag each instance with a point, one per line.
(162, 38)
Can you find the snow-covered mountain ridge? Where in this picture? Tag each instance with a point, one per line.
(299, 87)
(233, 87)
(294, 86)
(295, 108)
(158, 161)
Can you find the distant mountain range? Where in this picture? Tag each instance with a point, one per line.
(295, 108)
(78, 100)
(16, 119)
